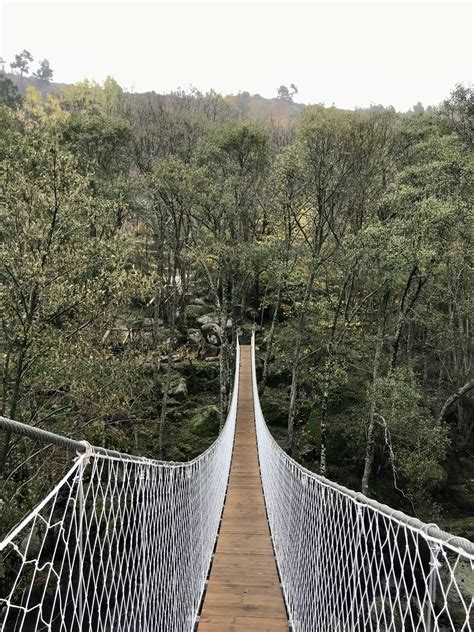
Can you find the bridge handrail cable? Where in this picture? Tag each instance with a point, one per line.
(339, 552)
(121, 542)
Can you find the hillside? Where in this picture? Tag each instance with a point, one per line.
(246, 105)
(45, 87)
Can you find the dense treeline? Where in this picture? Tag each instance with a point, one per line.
(141, 233)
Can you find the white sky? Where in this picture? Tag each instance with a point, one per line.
(349, 53)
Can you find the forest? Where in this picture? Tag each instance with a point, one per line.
(142, 233)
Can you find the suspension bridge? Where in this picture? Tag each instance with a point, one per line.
(242, 538)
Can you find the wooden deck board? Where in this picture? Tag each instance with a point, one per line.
(244, 593)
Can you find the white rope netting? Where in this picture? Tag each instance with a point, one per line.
(120, 544)
(348, 563)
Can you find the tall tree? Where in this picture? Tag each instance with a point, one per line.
(58, 277)
(235, 157)
(44, 72)
(328, 142)
(458, 112)
(22, 62)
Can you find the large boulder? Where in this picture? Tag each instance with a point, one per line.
(207, 319)
(194, 311)
(212, 328)
(179, 390)
(212, 333)
(208, 351)
(195, 338)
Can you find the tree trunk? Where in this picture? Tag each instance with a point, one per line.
(292, 407)
(297, 353)
(4, 451)
(468, 386)
(370, 447)
(164, 402)
(271, 334)
(223, 372)
(13, 404)
(324, 414)
(156, 315)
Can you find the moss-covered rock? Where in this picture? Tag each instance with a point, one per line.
(205, 421)
(194, 337)
(196, 311)
(208, 351)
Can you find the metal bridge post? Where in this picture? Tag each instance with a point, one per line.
(80, 583)
(356, 568)
(434, 564)
(143, 550)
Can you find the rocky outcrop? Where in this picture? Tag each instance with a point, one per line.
(179, 390)
(208, 319)
(212, 333)
(195, 338)
(197, 309)
(208, 352)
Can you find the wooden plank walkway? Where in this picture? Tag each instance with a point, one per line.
(244, 593)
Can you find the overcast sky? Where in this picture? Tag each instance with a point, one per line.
(347, 53)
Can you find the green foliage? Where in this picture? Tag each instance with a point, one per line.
(346, 235)
(62, 272)
(275, 407)
(9, 94)
(102, 145)
(414, 439)
(239, 151)
(89, 96)
(457, 112)
(205, 422)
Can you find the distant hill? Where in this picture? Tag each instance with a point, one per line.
(254, 106)
(44, 87)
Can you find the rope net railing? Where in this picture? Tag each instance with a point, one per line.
(121, 543)
(348, 563)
